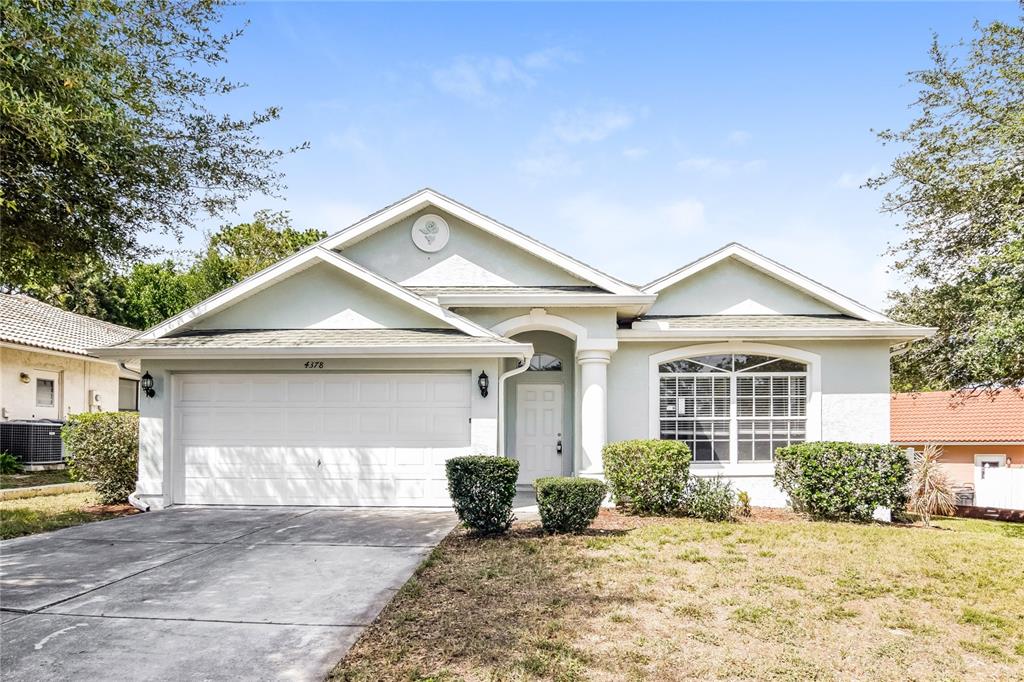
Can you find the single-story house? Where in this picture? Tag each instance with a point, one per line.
(46, 371)
(982, 439)
(347, 373)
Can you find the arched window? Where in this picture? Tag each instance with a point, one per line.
(543, 362)
(733, 402)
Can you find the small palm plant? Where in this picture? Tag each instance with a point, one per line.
(930, 489)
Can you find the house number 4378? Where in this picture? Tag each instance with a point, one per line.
(314, 364)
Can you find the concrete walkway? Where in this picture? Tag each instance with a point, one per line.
(204, 593)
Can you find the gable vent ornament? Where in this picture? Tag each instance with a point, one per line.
(430, 233)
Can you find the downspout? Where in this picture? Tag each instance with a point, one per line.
(134, 501)
(523, 366)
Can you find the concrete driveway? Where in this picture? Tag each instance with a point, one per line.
(204, 593)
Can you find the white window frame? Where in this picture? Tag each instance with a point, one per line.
(813, 428)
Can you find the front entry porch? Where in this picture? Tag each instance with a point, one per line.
(555, 409)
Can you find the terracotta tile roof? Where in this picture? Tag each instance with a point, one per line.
(26, 321)
(948, 417)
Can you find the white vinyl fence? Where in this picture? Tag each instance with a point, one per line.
(1001, 487)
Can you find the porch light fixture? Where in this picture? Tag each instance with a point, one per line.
(147, 385)
(483, 382)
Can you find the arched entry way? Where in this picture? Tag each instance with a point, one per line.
(540, 408)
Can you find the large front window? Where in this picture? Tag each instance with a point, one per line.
(733, 403)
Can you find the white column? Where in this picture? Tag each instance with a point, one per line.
(593, 410)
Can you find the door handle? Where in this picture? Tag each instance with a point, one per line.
(558, 448)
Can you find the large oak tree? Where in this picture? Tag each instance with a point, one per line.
(107, 132)
(958, 186)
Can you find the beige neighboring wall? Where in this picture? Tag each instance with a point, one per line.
(958, 460)
(78, 376)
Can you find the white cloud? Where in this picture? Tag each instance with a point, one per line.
(631, 241)
(554, 164)
(720, 168)
(480, 79)
(475, 78)
(738, 138)
(582, 125)
(634, 152)
(852, 180)
(353, 142)
(549, 58)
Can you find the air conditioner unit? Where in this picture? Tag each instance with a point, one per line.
(33, 442)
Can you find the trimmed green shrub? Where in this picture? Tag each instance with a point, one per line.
(568, 505)
(839, 480)
(648, 475)
(9, 464)
(103, 447)
(711, 499)
(482, 488)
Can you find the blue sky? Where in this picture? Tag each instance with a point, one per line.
(634, 137)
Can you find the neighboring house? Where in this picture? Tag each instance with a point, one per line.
(982, 439)
(46, 371)
(349, 372)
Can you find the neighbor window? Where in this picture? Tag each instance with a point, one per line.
(45, 392)
(127, 395)
(542, 362)
(733, 404)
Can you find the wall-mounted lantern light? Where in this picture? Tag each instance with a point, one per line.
(147, 385)
(24, 377)
(483, 382)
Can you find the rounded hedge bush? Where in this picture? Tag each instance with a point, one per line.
(648, 475)
(568, 505)
(840, 480)
(483, 488)
(103, 447)
(710, 498)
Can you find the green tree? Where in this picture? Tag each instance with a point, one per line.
(150, 293)
(958, 186)
(106, 132)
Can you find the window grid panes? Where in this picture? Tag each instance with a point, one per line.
(752, 403)
(695, 409)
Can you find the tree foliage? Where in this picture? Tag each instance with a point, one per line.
(149, 293)
(106, 132)
(959, 187)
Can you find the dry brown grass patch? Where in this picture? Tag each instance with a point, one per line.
(770, 597)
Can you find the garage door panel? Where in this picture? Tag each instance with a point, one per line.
(346, 439)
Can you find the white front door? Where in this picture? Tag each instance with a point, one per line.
(47, 394)
(539, 431)
(991, 486)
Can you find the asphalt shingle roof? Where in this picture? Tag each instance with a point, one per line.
(772, 322)
(948, 417)
(311, 338)
(507, 291)
(26, 321)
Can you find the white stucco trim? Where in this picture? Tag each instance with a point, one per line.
(645, 330)
(428, 197)
(530, 300)
(772, 269)
(540, 320)
(813, 361)
(296, 263)
(487, 350)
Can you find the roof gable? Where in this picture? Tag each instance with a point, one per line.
(215, 309)
(427, 200)
(738, 281)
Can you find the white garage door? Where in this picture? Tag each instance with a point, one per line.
(329, 439)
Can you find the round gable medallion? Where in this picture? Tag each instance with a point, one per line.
(430, 233)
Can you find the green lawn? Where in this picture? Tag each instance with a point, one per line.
(30, 478)
(30, 515)
(771, 598)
